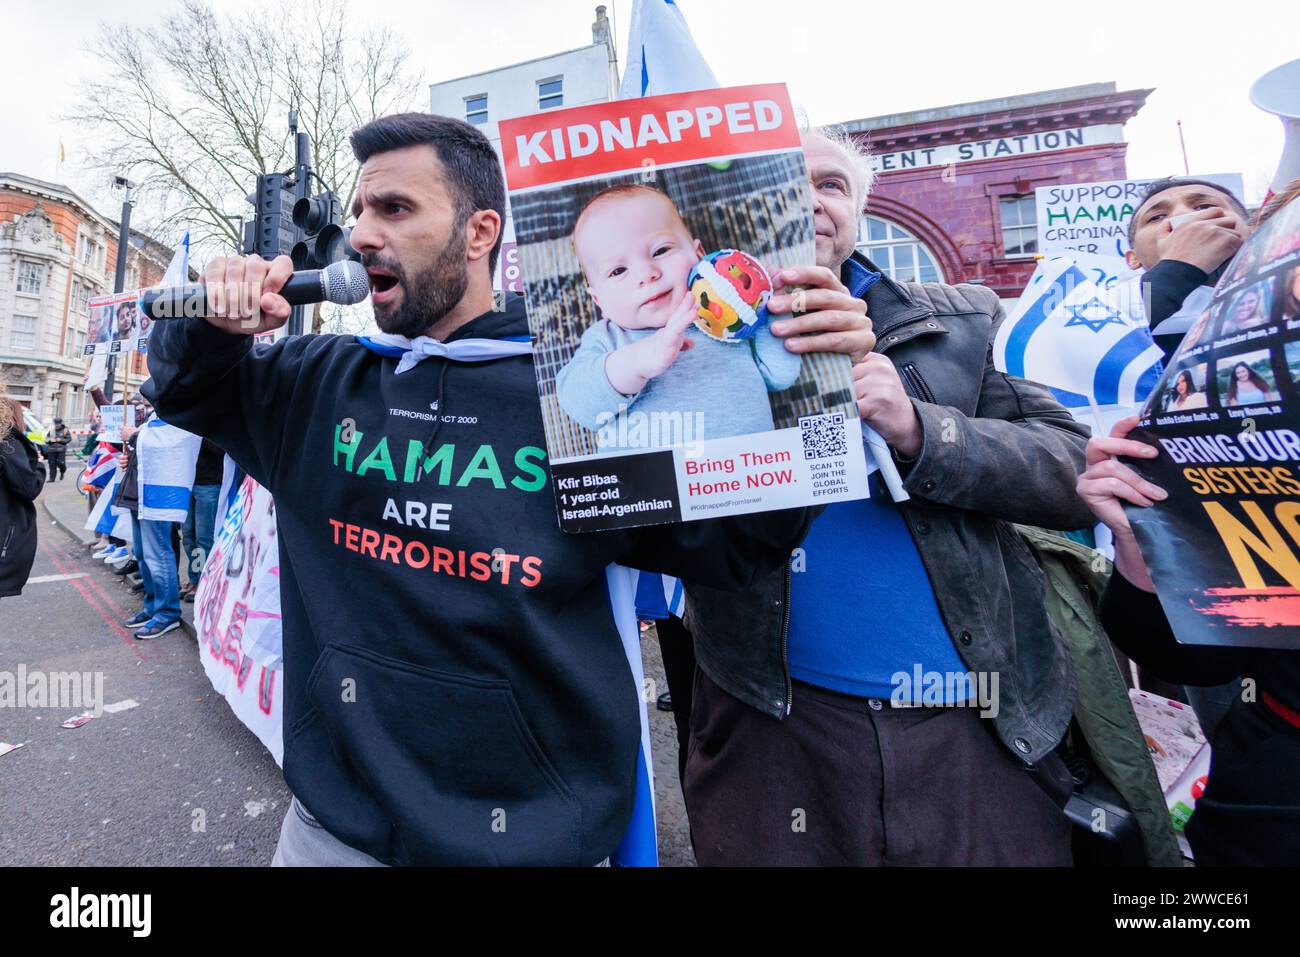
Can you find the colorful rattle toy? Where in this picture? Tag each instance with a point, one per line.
(731, 289)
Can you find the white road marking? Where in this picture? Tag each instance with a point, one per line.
(42, 579)
(121, 706)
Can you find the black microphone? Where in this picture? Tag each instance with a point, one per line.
(345, 283)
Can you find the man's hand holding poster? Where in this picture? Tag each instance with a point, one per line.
(1224, 547)
(651, 236)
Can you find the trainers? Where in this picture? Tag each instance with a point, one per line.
(156, 629)
(118, 554)
(103, 551)
(127, 567)
(138, 620)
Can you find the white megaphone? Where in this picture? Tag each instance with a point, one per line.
(1278, 92)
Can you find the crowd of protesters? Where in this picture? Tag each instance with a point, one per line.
(794, 746)
(158, 549)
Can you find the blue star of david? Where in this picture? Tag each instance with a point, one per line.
(1094, 314)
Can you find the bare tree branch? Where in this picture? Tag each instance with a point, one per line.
(195, 108)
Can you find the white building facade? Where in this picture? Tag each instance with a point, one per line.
(577, 77)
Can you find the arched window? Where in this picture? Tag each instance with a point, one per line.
(896, 252)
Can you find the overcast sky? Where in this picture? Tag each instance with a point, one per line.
(842, 60)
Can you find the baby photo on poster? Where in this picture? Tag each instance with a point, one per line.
(650, 235)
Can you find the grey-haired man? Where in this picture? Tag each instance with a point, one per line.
(894, 695)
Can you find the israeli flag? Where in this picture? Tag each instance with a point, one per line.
(106, 518)
(662, 58)
(178, 270)
(661, 53)
(177, 274)
(639, 846)
(167, 456)
(1080, 328)
(658, 596)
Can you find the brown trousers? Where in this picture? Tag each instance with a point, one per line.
(840, 783)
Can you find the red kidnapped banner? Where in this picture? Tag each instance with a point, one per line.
(606, 138)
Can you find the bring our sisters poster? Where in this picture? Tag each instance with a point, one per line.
(1224, 547)
(648, 232)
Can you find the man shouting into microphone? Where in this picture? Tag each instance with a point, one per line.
(456, 691)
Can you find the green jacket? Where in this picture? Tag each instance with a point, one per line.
(1076, 576)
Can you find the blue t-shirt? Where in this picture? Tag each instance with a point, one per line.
(863, 609)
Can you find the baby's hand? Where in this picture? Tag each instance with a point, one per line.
(631, 367)
(670, 341)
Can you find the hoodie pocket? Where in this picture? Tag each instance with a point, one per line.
(450, 759)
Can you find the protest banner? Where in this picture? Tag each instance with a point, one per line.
(117, 325)
(665, 396)
(113, 418)
(1094, 217)
(237, 611)
(1222, 548)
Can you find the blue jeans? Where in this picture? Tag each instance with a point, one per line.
(159, 566)
(137, 549)
(198, 529)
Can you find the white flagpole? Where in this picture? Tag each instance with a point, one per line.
(884, 459)
(1096, 416)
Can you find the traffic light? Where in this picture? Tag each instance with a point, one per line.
(324, 240)
(272, 231)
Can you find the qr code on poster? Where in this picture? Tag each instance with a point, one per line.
(823, 436)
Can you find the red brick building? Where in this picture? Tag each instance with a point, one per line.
(953, 199)
(56, 252)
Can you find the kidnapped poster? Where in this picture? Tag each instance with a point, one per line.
(650, 232)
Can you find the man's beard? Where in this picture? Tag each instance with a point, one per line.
(429, 295)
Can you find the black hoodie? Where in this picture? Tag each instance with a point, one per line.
(1165, 285)
(21, 480)
(456, 691)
